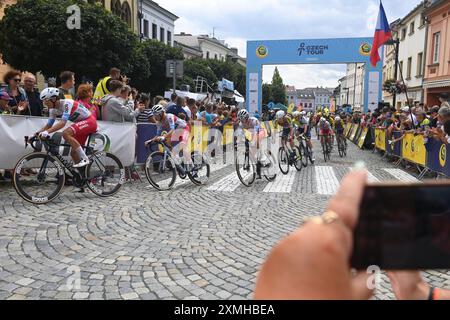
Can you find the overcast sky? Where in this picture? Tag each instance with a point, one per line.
(237, 21)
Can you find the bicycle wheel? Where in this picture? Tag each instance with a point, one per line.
(283, 160)
(201, 171)
(324, 150)
(245, 170)
(44, 183)
(269, 171)
(304, 153)
(160, 171)
(105, 174)
(298, 159)
(328, 151)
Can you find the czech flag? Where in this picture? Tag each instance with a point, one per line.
(382, 35)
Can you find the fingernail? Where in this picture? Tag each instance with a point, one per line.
(360, 165)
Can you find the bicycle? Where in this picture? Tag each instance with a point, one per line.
(342, 145)
(305, 149)
(46, 172)
(161, 168)
(326, 147)
(287, 159)
(247, 170)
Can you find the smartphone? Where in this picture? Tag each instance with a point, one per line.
(403, 227)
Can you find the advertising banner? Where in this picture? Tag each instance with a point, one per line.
(413, 149)
(122, 137)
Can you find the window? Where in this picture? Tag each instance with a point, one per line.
(126, 13)
(161, 34)
(403, 34)
(408, 71)
(401, 69)
(215, 56)
(423, 20)
(419, 64)
(436, 46)
(154, 31)
(411, 28)
(169, 38)
(116, 8)
(146, 28)
(207, 54)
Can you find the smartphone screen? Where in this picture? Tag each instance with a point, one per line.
(403, 227)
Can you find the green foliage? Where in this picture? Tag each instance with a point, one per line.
(34, 37)
(150, 74)
(266, 93)
(278, 89)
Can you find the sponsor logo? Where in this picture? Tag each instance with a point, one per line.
(311, 50)
(365, 49)
(443, 155)
(39, 200)
(262, 52)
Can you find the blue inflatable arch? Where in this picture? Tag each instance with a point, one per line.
(312, 51)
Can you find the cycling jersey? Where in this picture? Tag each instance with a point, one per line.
(339, 126)
(325, 128)
(171, 122)
(70, 110)
(251, 123)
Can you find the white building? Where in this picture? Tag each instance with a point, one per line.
(355, 84)
(322, 97)
(389, 63)
(412, 31)
(156, 22)
(343, 94)
(306, 100)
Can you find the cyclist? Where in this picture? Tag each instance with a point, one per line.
(287, 135)
(84, 123)
(245, 122)
(325, 131)
(303, 127)
(171, 128)
(339, 129)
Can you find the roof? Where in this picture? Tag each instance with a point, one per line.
(423, 5)
(435, 4)
(305, 93)
(161, 9)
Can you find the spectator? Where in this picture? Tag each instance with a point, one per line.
(407, 112)
(35, 103)
(4, 100)
(146, 115)
(157, 100)
(434, 116)
(67, 88)
(173, 100)
(113, 107)
(424, 122)
(85, 95)
(19, 103)
(104, 85)
(125, 94)
(191, 109)
(177, 109)
(409, 285)
(443, 98)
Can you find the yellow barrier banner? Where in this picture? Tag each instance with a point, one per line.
(413, 149)
(347, 129)
(355, 129)
(380, 139)
(363, 137)
(228, 134)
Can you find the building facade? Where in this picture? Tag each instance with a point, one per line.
(322, 97)
(389, 63)
(437, 70)
(127, 10)
(156, 22)
(306, 100)
(355, 84)
(412, 32)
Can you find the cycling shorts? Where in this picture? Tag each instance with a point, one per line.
(325, 132)
(84, 128)
(286, 133)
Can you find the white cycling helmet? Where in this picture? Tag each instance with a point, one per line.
(323, 119)
(296, 114)
(280, 114)
(243, 114)
(337, 118)
(49, 93)
(303, 113)
(158, 109)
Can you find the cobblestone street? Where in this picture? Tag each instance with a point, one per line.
(191, 243)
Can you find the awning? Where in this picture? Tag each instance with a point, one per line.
(436, 84)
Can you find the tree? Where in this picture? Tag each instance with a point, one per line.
(152, 54)
(278, 88)
(199, 67)
(266, 93)
(34, 37)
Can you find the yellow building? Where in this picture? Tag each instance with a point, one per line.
(126, 9)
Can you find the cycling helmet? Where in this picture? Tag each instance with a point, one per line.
(296, 114)
(280, 114)
(49, 93)
(303, 113)
(243, 114)
(337, 118)
(158, 109)
(323, 119)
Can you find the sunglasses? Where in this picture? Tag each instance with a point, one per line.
(16, 80)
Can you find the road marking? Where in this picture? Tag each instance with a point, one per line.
(228, 184)
(401, 175)
(283, 183)
(327, 183)
(180, 182)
